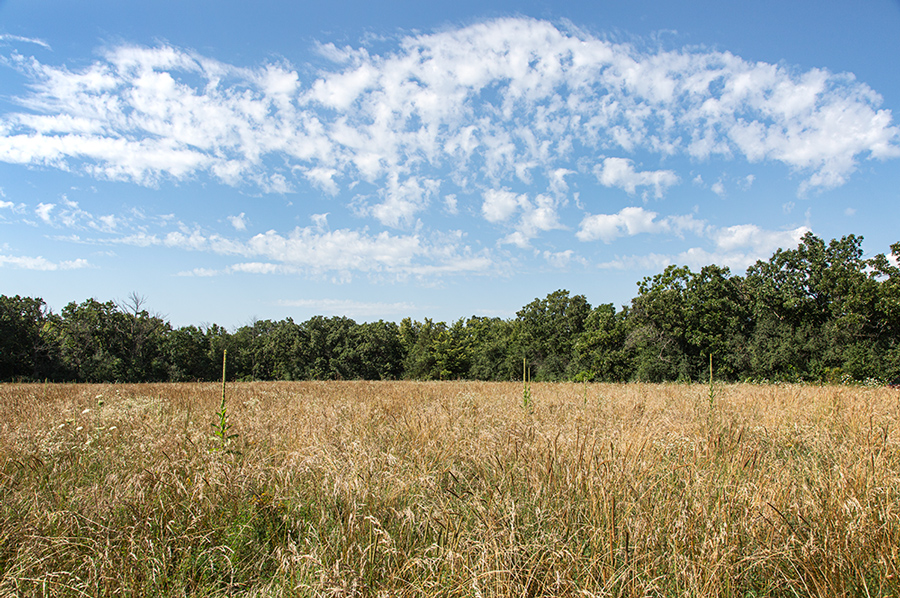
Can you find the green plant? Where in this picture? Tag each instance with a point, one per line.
(221, 426)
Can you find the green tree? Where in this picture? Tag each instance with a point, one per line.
(886, 319)
(143, 336)
(91, 341)
(658, 327)
(25, 349)
(491, 352)
(452, 351)
(251, 354)
(680, 318)
(188, 355)
(600, 350)
(377, 353)
(815, 309)
(328, 352)
(546, 332)
(720, 322)
(285, 350)
(418, 341)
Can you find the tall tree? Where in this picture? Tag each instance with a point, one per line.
(143, 337)
(811, 305)
(25, 350)
(886, 319)
(720, 322)
(188, 355)
(491, 349)
(91, 341)
(377, 351)
(419, 340)
(658, 326)
(600, 350)
(547, 330)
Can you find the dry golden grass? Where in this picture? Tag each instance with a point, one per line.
(449, 489)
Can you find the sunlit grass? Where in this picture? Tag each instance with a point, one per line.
(449, 489)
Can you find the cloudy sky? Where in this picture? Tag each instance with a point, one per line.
(233, 160)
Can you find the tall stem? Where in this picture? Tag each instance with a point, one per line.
(224, 354)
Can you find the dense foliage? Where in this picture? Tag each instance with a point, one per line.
(817, 312)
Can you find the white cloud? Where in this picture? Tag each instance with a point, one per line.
(634, 221)
(257, 268)
(140, 239)
(404, 199)
(69, 214)
(39, 263)
(561, 259)
(306, 250)
(320, 221)
(484, 110)
(14, 208)
(735, 247)
(7, 38)
(239, 222)
(339, 91)
(200, 272)
(337, 250)
(196, 240)
(43, 211)
(488, 104)
(500, 205)
(451, 204)
(759, 241)
(316, 250)
(719, 188)
(620, 172)
(355, 251)
(540, 215)
(558, 183)
(323, 178)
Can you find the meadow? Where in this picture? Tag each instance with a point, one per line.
(449, 489)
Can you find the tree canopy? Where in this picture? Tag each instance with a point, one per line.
(820, 311)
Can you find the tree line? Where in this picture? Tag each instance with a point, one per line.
(820, 312)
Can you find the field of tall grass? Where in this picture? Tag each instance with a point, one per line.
(449, 489)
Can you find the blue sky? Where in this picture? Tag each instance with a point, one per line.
(232, 161)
